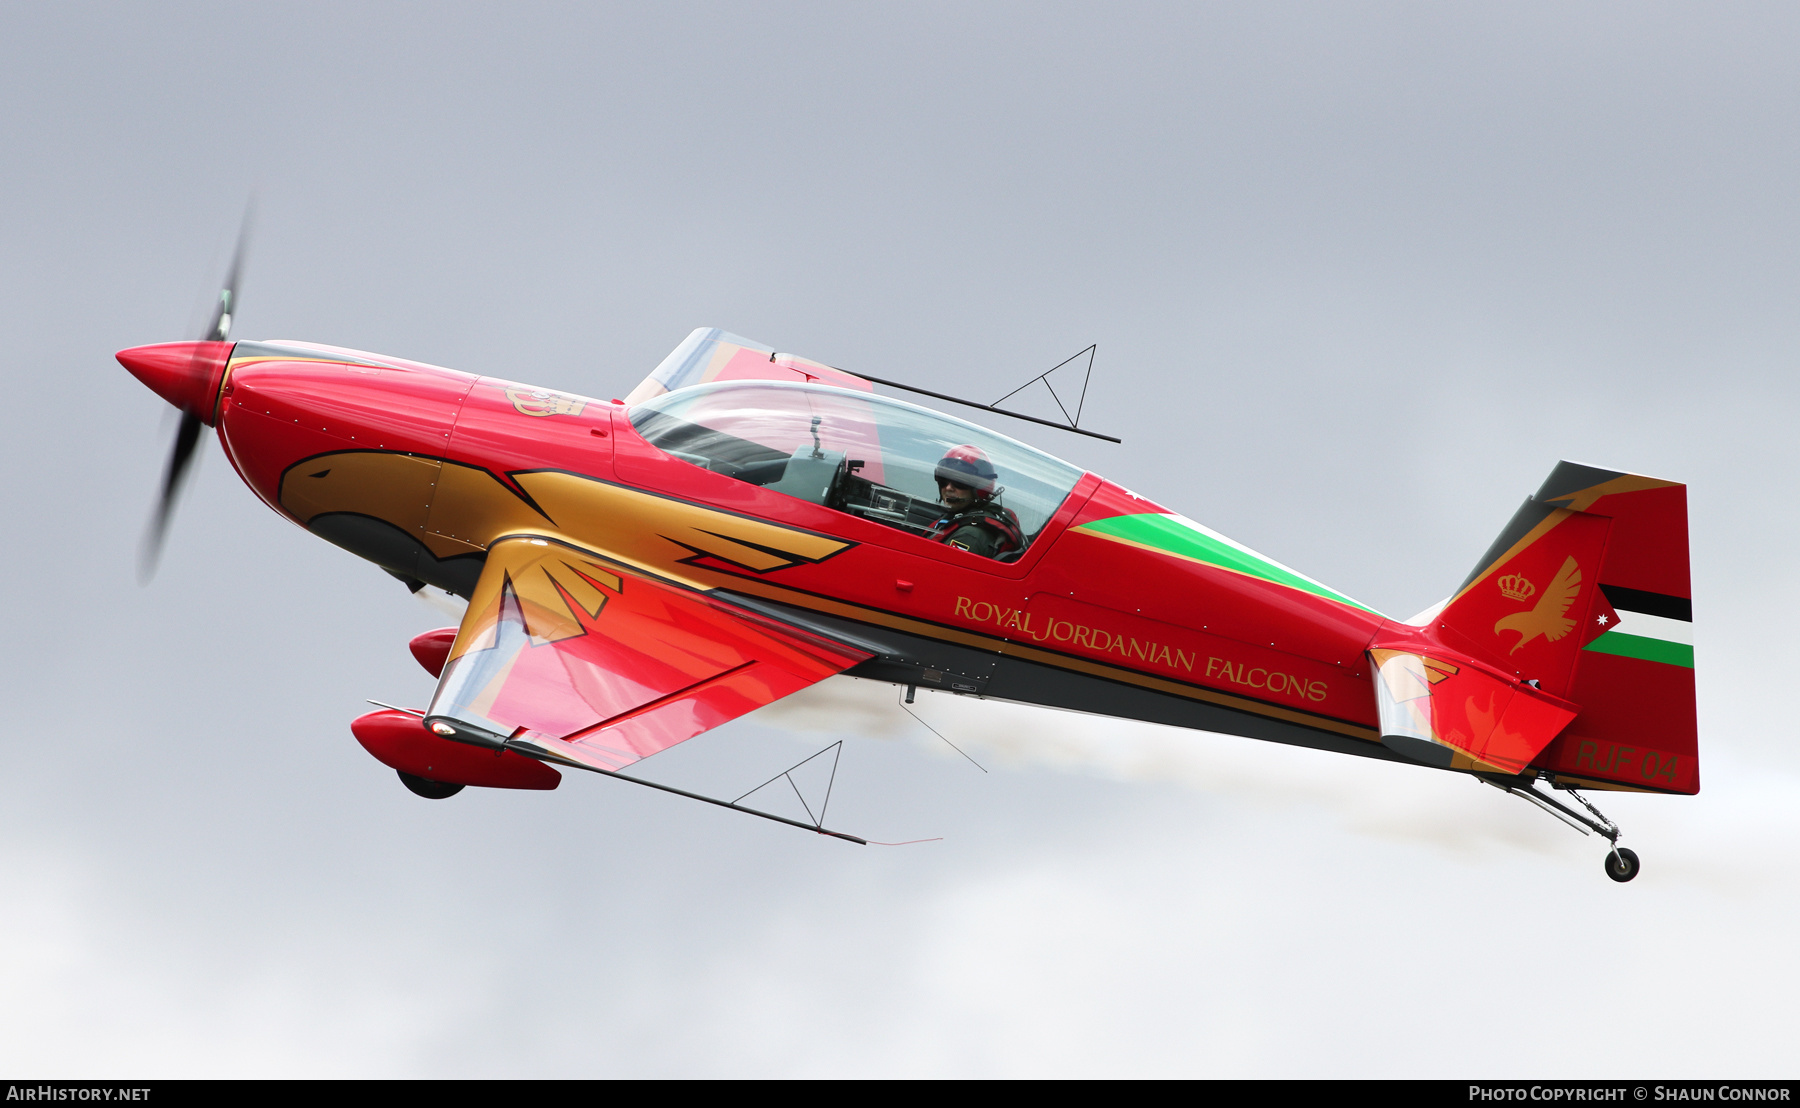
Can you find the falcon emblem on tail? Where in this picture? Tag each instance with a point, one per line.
(1549, 617)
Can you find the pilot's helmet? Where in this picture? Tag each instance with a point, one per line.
(967, 465)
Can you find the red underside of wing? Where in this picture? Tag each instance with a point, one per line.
(656, 666)
(626, 738)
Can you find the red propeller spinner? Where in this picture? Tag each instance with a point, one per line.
(186, 374)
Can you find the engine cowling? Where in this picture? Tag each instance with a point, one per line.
(401, 741)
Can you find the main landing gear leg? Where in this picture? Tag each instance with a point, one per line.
(1621, 862)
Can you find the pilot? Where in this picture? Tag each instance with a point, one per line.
(974, 519)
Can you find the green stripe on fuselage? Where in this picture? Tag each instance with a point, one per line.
(1186, 539)
(1650, 650)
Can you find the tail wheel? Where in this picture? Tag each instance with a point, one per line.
(438, 790)
(1622, 864)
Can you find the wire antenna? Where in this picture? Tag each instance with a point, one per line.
(1069, 423)
(818, 820)
(940, 735)
(1074, 420)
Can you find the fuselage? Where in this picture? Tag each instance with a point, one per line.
(1116, 605)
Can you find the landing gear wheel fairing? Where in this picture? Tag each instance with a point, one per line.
(430, 790)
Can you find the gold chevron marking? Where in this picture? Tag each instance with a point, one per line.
(1544, 527)
(1413, 675)
(657, 533)
(1583, 499)
(1578, 501)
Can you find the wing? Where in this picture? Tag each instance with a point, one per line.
(580, 661)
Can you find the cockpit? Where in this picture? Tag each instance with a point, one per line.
(870, 456)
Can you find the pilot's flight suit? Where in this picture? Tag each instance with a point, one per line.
(986, 529)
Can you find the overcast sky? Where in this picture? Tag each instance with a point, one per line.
(1360, 274)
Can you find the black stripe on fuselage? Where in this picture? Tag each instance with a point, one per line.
(908, 659)
(1649, 603)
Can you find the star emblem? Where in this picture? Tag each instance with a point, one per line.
(1601, 619)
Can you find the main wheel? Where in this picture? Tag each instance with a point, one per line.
(1622, 863)
(438, 790)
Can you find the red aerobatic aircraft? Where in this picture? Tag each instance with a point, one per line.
(747, 523)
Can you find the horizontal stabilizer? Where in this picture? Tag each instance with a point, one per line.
(1455, 713)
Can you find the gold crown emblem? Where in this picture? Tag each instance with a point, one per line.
(540, 402)
(1515, 587)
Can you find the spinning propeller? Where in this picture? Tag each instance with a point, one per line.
(187, 375)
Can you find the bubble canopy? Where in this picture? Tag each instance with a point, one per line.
(868, 455)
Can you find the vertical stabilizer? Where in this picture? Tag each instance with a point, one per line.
(1586, 593)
